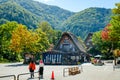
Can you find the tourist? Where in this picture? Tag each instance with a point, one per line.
(32, 67)
(41, 68)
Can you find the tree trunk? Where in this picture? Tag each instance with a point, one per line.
(115, 61)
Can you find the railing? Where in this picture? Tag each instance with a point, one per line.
(18, 76)
(23, 74)
(9, 76)
(65, 70)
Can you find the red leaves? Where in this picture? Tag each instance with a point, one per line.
(105, 33)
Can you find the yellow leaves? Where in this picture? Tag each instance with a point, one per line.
(116, 52)
(22, 39)
(117, 9)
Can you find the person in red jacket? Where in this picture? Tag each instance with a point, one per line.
(32, 67)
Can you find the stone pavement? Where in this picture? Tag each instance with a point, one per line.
(90, 72)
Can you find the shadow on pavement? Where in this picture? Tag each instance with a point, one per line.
(16, 64)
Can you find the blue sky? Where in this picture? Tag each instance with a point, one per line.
(78, 5)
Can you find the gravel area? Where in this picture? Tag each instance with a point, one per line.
(89, 72)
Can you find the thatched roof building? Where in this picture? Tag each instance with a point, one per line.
(69, 50)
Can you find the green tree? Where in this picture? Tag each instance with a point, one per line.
(53, 35)
(100, 45)
(45, 26)
(43, 42)
(115, 28)
(5, 37)
(111, 32)
(57, 36)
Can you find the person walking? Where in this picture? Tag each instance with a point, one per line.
(32, 67)
(41, 69)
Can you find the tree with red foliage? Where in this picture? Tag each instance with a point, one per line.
(112, 31)
(105, 33)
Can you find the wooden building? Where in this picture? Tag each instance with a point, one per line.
(69, 50)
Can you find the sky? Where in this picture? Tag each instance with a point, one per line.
(78, 5)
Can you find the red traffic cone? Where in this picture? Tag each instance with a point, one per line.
(52, 76)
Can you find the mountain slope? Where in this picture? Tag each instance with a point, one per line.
(53, 14)
(88, 20)
(30, 13)
(11, 11)
(35, 12)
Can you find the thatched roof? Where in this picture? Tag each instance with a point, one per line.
(74, 39)
(88, 41)
(88, 37)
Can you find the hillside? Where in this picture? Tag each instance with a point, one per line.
(88, 20)
(37, 11)
(11, 11)
(31, 13)
(53, 14)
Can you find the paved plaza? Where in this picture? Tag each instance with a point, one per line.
(89, 72)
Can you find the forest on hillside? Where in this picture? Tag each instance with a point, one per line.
(87, 21)
(31, 13)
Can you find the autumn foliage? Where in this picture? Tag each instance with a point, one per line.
(105, 33)
(23, 39)
(117, 53)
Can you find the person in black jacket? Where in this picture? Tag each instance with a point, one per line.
(41, 69)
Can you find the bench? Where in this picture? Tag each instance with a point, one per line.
(73, 70)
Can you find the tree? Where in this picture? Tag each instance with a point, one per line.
(43, 42)
(105, 34)
(101, 45)
(53, 35)
(45, 26)
(112, 32)
(5, 37)
(23, 40)
(16, 38)
(115, 28)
